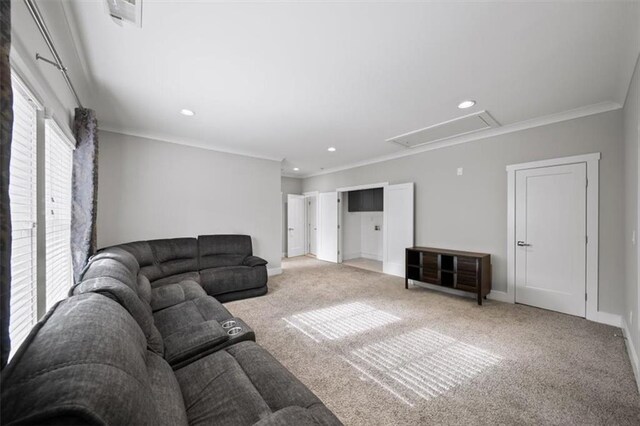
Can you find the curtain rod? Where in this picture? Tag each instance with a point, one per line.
(57, 62)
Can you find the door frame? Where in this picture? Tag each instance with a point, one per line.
(592, 160)
(341, 211)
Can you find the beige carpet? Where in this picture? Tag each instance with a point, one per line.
(376, 353)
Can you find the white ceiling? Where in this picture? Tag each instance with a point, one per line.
(287, 80)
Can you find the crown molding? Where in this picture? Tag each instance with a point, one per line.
(588, 110)
(188, 142)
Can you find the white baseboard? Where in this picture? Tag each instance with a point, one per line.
(371, 256)
(274, 271)
(349, 256)
(607, 318)
(633, 356)
(500, 296)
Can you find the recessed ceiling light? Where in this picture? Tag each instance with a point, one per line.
(466, 104)
(187, 112)
(295, 169)
(331, 149)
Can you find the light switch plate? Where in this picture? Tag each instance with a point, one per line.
(460, 171)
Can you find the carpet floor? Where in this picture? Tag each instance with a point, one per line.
(377, 354)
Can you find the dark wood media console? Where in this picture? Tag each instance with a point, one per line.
(462, 270)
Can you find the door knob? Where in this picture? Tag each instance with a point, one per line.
(290, 229)
(522, 244)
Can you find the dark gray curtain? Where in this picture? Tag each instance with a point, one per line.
(6, 126)
(85, 189)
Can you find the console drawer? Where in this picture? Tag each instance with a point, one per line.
(467, 264)
(466, 279)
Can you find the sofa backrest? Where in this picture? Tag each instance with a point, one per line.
(113, 273)
(223, 250)
(175, 256)
(86, 362)
(162, 258)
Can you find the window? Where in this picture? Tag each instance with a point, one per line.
(23, 195)
(58, 163)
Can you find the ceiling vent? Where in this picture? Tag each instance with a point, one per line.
(449, 129)
(126, 11)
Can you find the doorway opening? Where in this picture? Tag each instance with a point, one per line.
(361, 225)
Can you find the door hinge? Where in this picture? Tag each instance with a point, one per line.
(338, 226)
(585, 297)
(587, 185)
(338, 199)
(586, 239)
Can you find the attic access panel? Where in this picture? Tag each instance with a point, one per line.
(449, 129)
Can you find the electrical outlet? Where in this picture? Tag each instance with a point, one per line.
(630, 318)
(460, 171)
(633, 237)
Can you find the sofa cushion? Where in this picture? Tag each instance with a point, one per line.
(216, 391)
(141, 250)
(166, 391)
(278, 387)
(73, 369)
(194, 311)
(223, 250)
(174, 279)
(104, 266)
(244, 384)
(175, 256)
(129, 300)
(232, 278)
(172, 294)
(144, 289)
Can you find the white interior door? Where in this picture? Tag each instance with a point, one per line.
(328, 226)
(551, 238)
(397, 227)
(295, 225)
(312, 225)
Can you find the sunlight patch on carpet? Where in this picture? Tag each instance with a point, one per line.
(337, 322)
(420, 365)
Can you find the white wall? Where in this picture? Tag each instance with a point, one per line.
(469, 212)
(43, 79)
(631, 123)
(152, 189)
(351, 231)
(359, 237)
(370, 239)
(287, 186)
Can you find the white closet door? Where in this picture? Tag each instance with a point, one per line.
(551, 238)
(295, 225)
(397, 227)
(328, 227)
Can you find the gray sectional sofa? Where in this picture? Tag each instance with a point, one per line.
(223, 265)
(121, 351)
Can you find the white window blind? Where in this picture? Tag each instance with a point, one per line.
(22, 193)
(58, 163)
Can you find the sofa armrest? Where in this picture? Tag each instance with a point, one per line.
(253, 261)
(193, 340)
